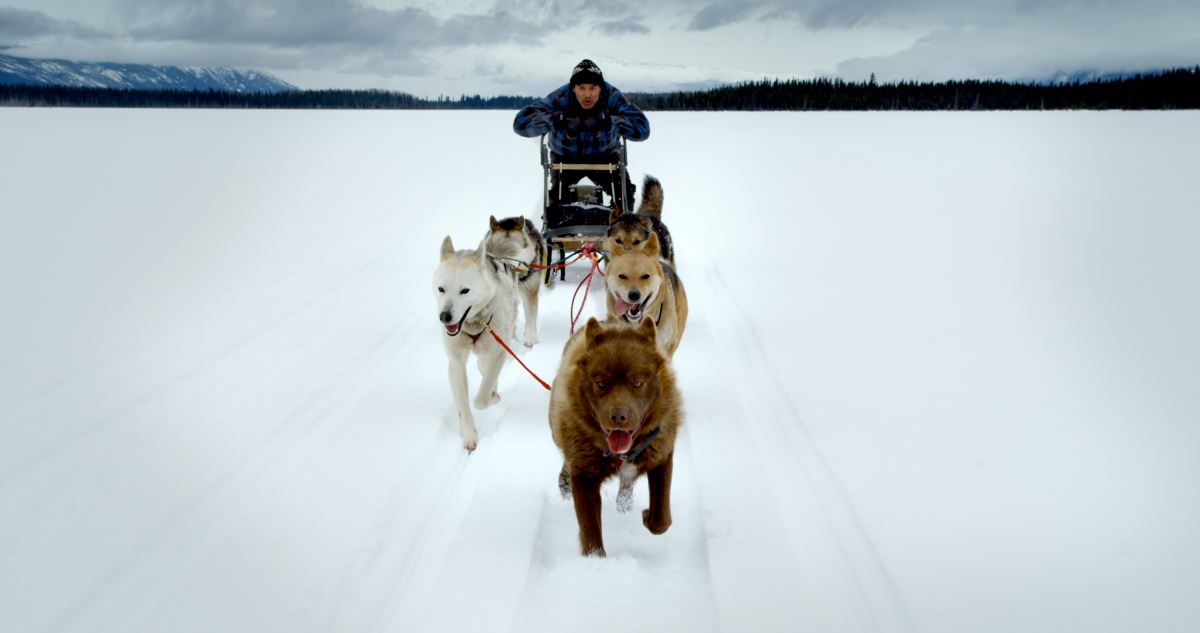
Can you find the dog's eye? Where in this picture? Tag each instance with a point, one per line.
(636, 242)
(441, 289)
(645, 276)
(622, 277)
(600, 384)
(637, 383)
(620, 242)
(464, 291)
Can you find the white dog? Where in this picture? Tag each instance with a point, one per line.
(472, 288)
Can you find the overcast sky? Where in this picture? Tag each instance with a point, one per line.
(528, 47)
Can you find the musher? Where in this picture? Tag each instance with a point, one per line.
(585, 119)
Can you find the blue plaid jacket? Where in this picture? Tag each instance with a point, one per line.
(627, 120)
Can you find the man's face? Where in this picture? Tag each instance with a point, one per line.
(586, 94)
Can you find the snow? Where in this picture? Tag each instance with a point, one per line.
(940, 375)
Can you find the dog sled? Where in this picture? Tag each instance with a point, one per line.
(577, 215)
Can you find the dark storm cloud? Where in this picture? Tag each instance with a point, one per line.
(18, 26)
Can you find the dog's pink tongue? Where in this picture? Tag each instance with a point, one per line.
(453, 328)
(622, 307)
(620, 441)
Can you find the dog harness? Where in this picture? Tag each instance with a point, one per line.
(632, 455)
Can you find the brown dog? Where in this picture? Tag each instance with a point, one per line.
(615, 410)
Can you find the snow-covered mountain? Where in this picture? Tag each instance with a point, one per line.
(60, 72)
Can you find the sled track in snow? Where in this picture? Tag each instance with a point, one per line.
(842, 571)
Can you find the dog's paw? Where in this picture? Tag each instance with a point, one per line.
(482, 402)
(564, 484)
(655, 528)
(470, 437)
(530, 338)
(625, 499)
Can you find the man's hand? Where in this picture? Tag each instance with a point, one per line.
(598, 122)
(604, 121)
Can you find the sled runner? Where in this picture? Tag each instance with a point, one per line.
(577, 214)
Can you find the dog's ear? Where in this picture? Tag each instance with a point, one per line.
(651, 247)
(480, 253)
(612, 217)
(520, 223)
(593, 332)
(648, 329)
(493, 223)
(447, 248)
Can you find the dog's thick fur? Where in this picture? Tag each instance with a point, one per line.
(473, 288)
(518, 244)
(613, 389)
(631, 231)
(641, 286)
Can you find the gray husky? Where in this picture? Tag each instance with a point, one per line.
(473, 289)
(518, 244)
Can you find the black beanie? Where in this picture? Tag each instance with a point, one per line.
(587, 72)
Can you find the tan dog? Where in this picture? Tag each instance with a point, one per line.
(615, 410)
(642, 286)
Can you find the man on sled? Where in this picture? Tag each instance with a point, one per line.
(585, 120)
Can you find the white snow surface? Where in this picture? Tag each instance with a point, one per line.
(940, 374)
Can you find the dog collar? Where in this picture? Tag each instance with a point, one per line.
(632, 455)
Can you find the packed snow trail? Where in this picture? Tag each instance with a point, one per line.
(224, 405)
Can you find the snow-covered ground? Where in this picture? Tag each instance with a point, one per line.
(941, 373)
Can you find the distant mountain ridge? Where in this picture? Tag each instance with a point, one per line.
(60, 72)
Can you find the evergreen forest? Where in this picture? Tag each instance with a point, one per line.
(1168, 90)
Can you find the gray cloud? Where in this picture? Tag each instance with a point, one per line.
(617, 28)
(18, 26)
(343, 24)
(720, 14)
(1029, 50)
(517, 42)
(823, 14)
(350, 34)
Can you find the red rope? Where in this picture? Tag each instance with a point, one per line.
(535, 376)
(513, 354)
(588, 249)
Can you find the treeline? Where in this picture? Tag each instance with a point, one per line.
(1168, 90)
(69, 96)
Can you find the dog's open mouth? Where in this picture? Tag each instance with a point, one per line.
(454, 328)
(631, 311)
(619, 441)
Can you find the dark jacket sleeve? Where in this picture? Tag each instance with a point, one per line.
(627, 118)
(534, 119)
